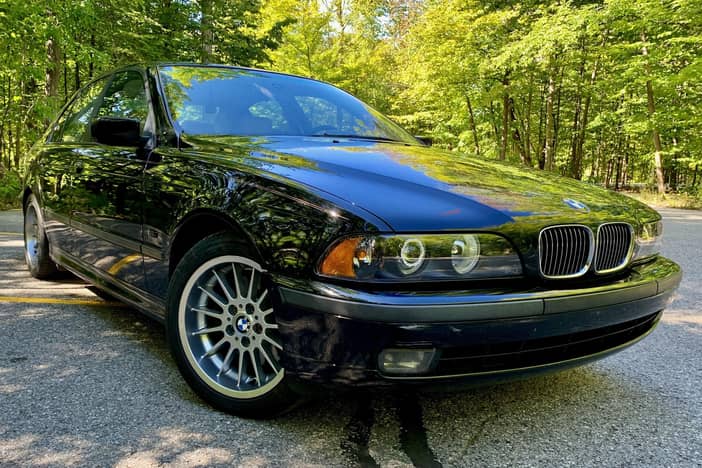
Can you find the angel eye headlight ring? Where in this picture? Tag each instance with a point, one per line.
(412, 255)
(465, 253)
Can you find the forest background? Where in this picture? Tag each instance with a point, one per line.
(604, 91)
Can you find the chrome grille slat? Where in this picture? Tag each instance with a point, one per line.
(561, 258)
(563, 264)
(614, 245)
(565, 251)
(568, 262)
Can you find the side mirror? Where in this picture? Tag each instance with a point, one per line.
(425, 140)
(115, 131)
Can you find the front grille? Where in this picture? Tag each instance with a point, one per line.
(565, 251)
(541, 351)
(613, 246)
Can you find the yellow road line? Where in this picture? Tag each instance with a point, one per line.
(10, 233)
(52, 300)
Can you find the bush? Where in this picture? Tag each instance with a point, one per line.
(10, 188)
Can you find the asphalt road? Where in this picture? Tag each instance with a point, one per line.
(85, 382)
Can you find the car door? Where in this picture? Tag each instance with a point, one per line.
(55, 164)
(106, 215)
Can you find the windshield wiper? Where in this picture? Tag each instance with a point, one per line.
(356, 137)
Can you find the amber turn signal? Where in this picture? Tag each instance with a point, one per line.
(339, 261)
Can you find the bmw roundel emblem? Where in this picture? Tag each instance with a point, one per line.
(242, 324)
(576, 205)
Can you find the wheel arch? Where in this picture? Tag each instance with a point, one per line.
(198, 225)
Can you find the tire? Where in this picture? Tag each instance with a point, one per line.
(36, 244)
(221, 329)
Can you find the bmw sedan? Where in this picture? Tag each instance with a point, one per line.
(289, 235)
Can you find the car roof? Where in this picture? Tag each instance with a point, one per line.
(160, 64)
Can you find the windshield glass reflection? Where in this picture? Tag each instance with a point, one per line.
(235, 102)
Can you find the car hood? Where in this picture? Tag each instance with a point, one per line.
(418, 188)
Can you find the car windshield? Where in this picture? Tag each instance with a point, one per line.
(236, 102)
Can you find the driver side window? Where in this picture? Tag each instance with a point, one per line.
(126, 98)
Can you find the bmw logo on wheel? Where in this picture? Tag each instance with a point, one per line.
(242, 324)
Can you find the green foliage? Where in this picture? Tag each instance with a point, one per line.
(548, 83)
(50, 48)
(577, 87)
(10, 189)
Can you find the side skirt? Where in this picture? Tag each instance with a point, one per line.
(146, 303)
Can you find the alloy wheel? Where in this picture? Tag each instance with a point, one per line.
(227, 327)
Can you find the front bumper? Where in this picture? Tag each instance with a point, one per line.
(333, 334)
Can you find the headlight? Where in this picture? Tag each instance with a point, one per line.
(421, 258)
(648, 240)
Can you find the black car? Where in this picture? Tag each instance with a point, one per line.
(287, 234)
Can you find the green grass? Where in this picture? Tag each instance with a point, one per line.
(669, 200)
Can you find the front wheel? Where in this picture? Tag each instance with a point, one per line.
(222, 331)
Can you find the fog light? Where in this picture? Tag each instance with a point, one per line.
(406, 361)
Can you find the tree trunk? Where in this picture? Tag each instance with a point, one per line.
(658, 148)
(527, 124)
(65, 80)
(10, 145)
(18, 144)
(53, 54)
(91, 65)
(557, 118)
(493, 119)
(505, 119)
(548, 140)
(583, 125)
(206, 31)
(578, 159)
(573, 163)
(542, 117)
(518, 136)
(471, 119)
(77, 75)
(6, 98)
